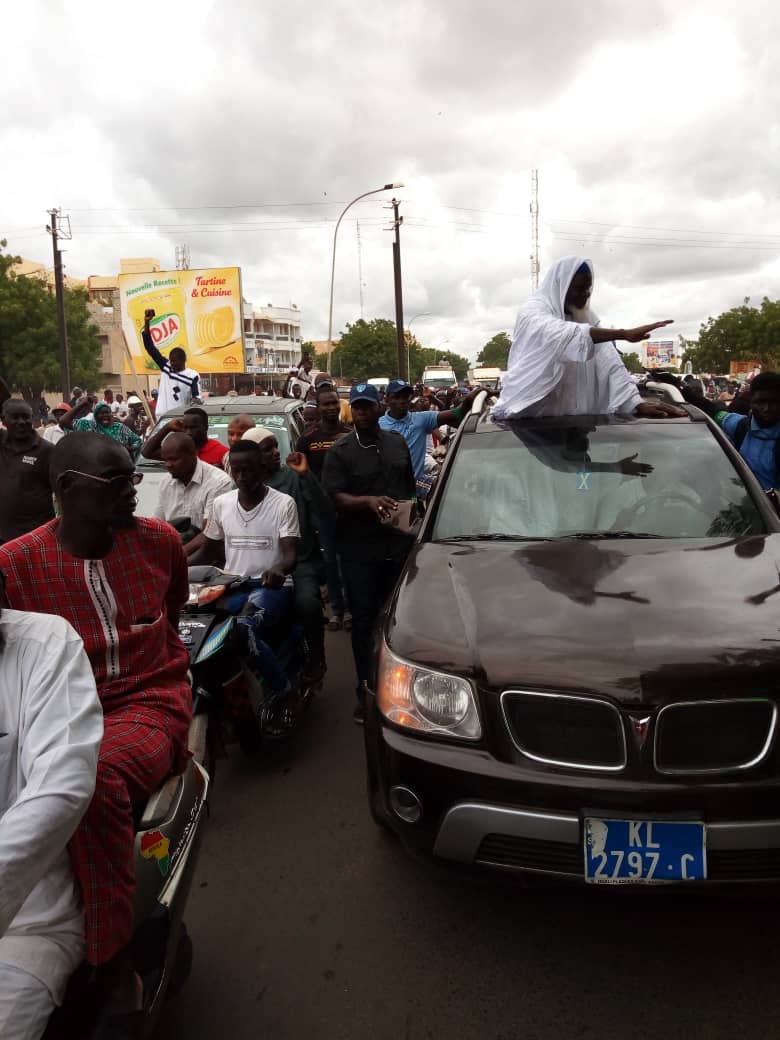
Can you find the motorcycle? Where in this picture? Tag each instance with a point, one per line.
(168, 835)
(238, 701)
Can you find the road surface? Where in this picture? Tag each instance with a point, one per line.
(309, 922)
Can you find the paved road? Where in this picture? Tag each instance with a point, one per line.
(309, 923)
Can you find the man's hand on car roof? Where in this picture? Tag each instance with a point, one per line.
(659, 410)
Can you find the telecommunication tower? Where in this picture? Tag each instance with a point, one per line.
(183, 257)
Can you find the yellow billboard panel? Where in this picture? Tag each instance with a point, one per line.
(199, 311)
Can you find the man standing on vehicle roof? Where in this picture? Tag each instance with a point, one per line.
(563, 363)
(195, 422)
(368, 474)
(179, 385)
(415, 426)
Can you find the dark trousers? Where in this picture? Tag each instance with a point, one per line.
(369, 582)
(308, 607)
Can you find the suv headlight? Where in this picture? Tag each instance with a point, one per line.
(428, 701)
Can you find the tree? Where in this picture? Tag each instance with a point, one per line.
(495, 353)
(29, 341)
(632, 363)
(742, 334)
(366, 350)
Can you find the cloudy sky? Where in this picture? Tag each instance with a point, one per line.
(242, 129)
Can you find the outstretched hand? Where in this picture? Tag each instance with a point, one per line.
(643, 331)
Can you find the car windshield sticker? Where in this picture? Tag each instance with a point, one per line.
(583, 480)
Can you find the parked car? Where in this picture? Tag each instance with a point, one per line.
(283, 415)
(577, 674)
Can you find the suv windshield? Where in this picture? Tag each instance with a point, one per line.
(218, 426)
(664, 480)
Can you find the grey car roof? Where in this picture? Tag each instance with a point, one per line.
(251, 405)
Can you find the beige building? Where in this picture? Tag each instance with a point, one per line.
(103, 294)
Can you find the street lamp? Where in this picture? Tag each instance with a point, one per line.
(422, 314)
(374, 191)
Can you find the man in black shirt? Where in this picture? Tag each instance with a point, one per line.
(25, 487)
(315, 445)
(369, 473)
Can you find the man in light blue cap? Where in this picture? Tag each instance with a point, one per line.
(414, 427)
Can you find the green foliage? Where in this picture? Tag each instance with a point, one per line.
(495, 353)
(29, 342)
(742, 334)
(369, 350)
(632, 362)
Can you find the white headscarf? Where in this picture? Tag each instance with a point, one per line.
(554, 367)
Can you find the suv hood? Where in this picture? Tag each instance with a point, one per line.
(642, 621)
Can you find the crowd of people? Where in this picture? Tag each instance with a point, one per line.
(94, 697)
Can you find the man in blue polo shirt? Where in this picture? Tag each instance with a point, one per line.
(414, 427)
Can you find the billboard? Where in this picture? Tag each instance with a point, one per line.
(199, 311)
(660, 354)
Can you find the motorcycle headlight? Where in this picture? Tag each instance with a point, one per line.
(425, 700)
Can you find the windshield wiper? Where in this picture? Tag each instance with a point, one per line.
(610, 534)
(492, 538)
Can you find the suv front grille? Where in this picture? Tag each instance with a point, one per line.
(565, 730)
(714, 736)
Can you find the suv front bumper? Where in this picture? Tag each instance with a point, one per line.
(479, 811)
(523, 839)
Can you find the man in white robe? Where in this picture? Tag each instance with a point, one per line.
(563, 363)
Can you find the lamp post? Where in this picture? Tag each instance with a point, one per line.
(374, 191)
(422, 314)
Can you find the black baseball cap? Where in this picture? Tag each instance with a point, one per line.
(364, 392)
(397, 386)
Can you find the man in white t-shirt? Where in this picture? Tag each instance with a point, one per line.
(258, 530)
(179, 385)
(51, 725)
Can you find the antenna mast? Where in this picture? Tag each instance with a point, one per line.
(183, 257)
(534, 230)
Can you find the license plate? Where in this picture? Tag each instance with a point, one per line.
(622, 852)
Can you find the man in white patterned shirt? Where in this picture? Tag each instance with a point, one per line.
(190, 486)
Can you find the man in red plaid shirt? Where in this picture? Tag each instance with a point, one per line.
(120, 581)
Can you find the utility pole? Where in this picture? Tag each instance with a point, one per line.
(57, 233)
(403, 368)
(534, 230)
(360, 266)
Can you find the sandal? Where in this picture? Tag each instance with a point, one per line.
(335, 624)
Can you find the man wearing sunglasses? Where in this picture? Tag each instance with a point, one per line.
(120, 581)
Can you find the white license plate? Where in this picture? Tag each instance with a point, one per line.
(624, 852)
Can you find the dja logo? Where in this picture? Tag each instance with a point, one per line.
(165, 329)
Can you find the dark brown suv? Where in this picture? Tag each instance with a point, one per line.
(578, 673)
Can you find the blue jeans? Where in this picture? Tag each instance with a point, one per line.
(266, 608)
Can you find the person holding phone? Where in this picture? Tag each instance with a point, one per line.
(179, 385)
(370, 476)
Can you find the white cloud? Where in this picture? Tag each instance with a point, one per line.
(653, 127)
